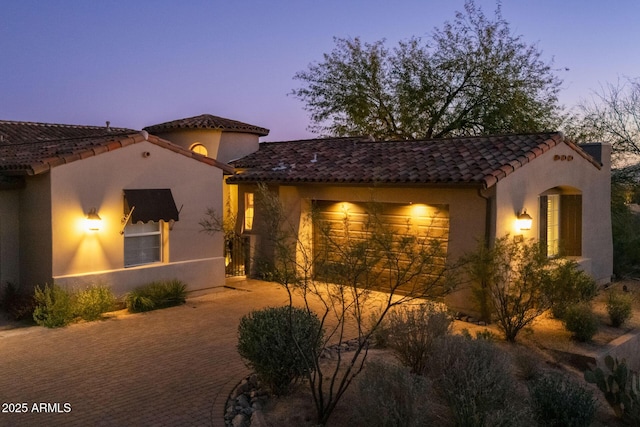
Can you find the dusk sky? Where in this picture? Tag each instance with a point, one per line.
(138, 63)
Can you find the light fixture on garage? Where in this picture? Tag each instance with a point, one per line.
(524, 220)
(93, 220)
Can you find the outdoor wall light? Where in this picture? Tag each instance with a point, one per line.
(524, 220)
(93, 221)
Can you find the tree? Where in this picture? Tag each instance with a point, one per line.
(473, 77)
(336, 273)
(515, 275)
(612, 115)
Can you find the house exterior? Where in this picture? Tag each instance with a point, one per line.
(149, 194)
(467, 190)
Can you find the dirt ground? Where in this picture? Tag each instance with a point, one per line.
(547, 341)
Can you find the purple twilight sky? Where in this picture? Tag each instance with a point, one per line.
(142, 62)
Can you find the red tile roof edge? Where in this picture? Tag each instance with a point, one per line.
(47, 164)
(556, 139)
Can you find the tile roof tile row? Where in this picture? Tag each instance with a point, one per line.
(468, 161)
(208, 121)
(28, 148)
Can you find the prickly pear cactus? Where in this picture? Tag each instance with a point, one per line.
(621, 387)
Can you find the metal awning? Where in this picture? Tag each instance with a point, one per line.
(153, 204)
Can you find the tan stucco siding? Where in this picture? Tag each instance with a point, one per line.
(9, 237)
(99, 182)
(234, 145)
(521, 190)
(467, 210)
(185, 138)
(35, 231)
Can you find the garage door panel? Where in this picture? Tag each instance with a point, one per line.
(345, 224)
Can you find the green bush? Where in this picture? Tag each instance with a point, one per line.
(568, 286)
(156, 295)
(474, 378)
(559, 401)
(92, 302)
(619, 308)
(413, 330)
(280, 344)
(54, 306)
(580, 320)
(391, 395)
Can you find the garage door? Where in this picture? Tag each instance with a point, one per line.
(340, 227)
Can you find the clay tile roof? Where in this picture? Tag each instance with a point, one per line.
(28, 148)
(207, 121)
(481, 161)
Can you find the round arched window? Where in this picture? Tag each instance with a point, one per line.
(199, 148)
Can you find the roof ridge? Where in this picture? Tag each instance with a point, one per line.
(60, 125)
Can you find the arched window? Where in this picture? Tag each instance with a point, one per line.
(199, 148)
(561, 221)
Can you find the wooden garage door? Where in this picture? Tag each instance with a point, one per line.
(340, 227)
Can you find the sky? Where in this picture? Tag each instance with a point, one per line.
(137, 63)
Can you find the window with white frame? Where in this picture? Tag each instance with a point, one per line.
(553, 225)
(142, 243)
(248, 211)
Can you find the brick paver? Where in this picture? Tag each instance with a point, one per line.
(171, 367)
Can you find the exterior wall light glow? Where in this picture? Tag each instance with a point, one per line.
(524, 220)
(93, 221)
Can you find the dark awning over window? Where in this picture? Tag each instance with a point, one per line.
(150, 205)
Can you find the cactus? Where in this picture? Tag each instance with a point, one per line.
(621, 388)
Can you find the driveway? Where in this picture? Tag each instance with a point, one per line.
(169, 367)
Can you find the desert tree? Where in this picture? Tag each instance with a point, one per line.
(514, 275)
(472, 76)
(611, 115)
(344, 272)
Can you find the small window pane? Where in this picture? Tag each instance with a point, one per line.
(142, 244)
(248, 211)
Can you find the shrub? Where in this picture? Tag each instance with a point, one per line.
(391, 395)
(280, 344)
(513, 273)
(18, 305)
(619, 308)
(413, 330)
(559, 401)
(568, 286)
(580, 320)
(474, 378)
(93, 301)
(381, 335)
(54, 306)
(156, 295)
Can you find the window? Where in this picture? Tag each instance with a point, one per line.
(248, 211)
(148, 213)
(199, 148)
(553, 225)
(142, 243)
(561, 224)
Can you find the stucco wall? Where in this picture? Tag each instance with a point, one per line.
(99, 182)
(185, 138)
(221, 145)
(522, 189)
(234, 145)
(9, 237)
(35, 231)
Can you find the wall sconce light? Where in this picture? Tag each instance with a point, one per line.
(93, 221)
(524, 220)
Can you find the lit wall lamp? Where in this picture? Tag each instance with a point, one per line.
(524, 221)
(93, 221)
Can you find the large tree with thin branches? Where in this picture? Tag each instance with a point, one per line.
(473, 76)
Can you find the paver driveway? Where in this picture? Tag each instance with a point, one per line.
(168, 367)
